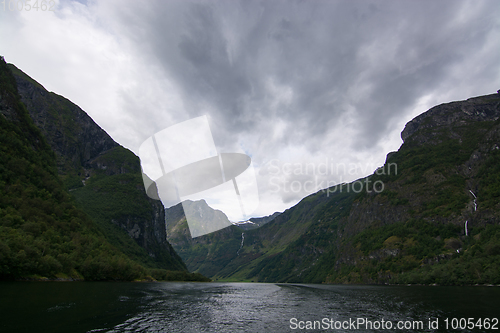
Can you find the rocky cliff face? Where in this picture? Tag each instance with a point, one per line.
(478, 109)
(104, 177)
(72, 134)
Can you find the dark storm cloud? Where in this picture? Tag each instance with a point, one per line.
(300, 82)
(334, 56)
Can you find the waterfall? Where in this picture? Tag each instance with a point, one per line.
(242, 240)
(475, 203)
(475, 209)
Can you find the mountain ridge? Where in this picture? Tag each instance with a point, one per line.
(87, 155)
(410, 232)
(42, 233)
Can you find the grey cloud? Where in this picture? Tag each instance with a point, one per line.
(222, 52)
(297, 81)
(371, 61)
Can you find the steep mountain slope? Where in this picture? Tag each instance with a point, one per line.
(233, 253)
(209, 253)
(408, 224)
(42, 233)
(104, 177)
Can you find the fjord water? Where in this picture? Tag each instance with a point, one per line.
(230, 307)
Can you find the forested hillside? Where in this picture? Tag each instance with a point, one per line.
(44, 231)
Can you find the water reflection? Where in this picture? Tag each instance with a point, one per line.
(228, 307)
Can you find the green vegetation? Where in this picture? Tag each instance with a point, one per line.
(121, 199)
(433, 170)
(411, 232)
(478, 263)
(428, 248)
(43, 232)
(489, 173)
(418, 238)
(208, 260)
(386, 251)
(294, 263)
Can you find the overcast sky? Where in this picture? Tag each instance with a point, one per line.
(296, 85)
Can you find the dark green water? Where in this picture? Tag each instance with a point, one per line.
(237, 307)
